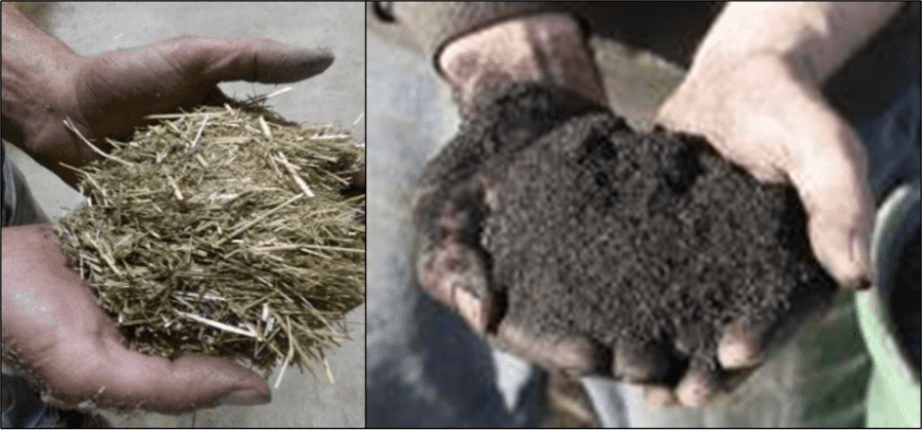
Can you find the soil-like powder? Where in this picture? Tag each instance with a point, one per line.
(637, 238)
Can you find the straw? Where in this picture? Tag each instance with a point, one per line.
(201, 235)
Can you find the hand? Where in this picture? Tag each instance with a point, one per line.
(108, 95)
(456, 194)
(765, 113)
(51, 321)
(455, 191)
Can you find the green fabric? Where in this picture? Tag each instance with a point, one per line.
(894, 398)
(818, 380)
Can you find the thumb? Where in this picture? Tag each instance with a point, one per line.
(254, 60)
(830, 173)
(117, 376)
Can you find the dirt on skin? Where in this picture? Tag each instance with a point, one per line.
(636, 238)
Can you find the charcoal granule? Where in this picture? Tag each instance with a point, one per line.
(642, 238)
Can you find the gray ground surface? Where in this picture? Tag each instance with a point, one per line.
(337, 96)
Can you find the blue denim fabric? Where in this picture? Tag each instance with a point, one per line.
(22, 407)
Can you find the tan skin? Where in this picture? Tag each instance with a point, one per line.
(52, 321)
(753, 91)
(50, 318)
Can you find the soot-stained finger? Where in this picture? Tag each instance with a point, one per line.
(741, 345)
(451, 263)
(659, 395)
(641, 362)
(699, 383)
(455, 274)
(748, 341)
(572, 353)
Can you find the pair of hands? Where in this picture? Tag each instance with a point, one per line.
(51, 320)
(763, 112)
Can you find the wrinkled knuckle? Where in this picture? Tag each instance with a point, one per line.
(574, 355)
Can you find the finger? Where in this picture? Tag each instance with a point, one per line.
(641, 363)
(109, 374)
(254, 60)
(747, 342)
(454, 273)
(452, 264)
(698, 383)
(741, 345)
(659, 396)
(53, 323)
(830, 175)
(572, 353)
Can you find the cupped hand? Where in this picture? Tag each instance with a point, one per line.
(766, 114)
(108, 95)
(52, 323)
(458, 191)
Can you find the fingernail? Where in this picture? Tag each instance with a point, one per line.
(244, 397)
(648, 363)
(740, 346)
(471, 308)
(693, 396)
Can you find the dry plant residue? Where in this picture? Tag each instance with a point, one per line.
(224, 232)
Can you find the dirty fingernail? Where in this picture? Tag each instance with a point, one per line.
(244, 397)
(471, 308)
(740, 347)
(696, 386)
(693, 395)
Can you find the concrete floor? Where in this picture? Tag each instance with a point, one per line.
(337, 96)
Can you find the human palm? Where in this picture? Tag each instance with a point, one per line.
(108, 95)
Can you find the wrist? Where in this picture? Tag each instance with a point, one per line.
(716, 68)
(35, 68)
(543, 48)
(814, 37)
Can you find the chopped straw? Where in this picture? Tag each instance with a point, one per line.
(223, 231)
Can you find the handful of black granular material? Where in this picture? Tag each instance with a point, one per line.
(631, 237)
